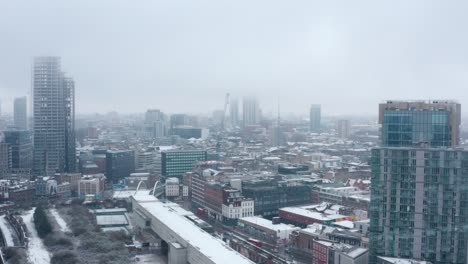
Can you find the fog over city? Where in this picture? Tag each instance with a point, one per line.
(184, 56)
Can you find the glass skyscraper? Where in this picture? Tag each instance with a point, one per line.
(53, 118)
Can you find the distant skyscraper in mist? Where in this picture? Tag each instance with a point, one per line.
(20, 114)
(53, 118)
(234, 112)
(155, 123)
(250, 111)
(315, 118)
(343, 128)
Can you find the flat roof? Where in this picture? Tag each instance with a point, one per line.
(123, 194)
(268, 224)
(111, 210)
(211, 247)
(357, 252)
(310, 214)
(344, 224)
(106, 220)
(402, 260)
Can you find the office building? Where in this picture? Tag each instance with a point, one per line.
(250, 111)
(119, 165)
(20, 111)
(145, 160)
(315, 118)
(5, 158)
(54, 118)
(21, 146)
(269, 196)
(343, 128)
(410, 123)
(177, 162)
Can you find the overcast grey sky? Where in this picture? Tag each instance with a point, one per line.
(183, 56)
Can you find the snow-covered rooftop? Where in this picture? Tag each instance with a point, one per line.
(111, 220)
(313, 215)
(268, 224)
(208, 245)
(356, 252)
(402, 261)
(344, 224)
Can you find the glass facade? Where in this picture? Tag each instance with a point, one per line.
(119, 164)
(21, 145)
(176, 163)
(419, 205)
(408, 128)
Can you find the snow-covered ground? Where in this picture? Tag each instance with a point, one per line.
(37, 253)
(58, 218)
(4, 225)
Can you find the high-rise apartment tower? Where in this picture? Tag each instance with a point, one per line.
(53, 118)
(419, 198)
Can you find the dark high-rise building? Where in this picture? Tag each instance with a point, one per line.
(69, 106)
(419, 199)
(5, 158)
(177, 162)
(434, 123)
(20, 115)
(119, 164)
(20, 142)
(315, 118)
(53, 116)
(250, 111)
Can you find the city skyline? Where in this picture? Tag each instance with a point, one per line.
(209, 132)
(305, 53)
